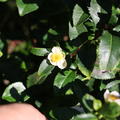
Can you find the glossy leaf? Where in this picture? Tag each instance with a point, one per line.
(94, 9)
(117, 28)
(39, 51)
(75, 31)
(25, 8)
(87, 116)
(39, 77)
(110, 110)
(108, 56)
(112, 84)
(77, 13)
(82, 68)
(62, 80)
(13, 92)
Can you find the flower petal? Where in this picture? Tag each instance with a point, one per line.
(117, 101)
(106, 94)
(49, 56)
(56, 49)
(115, 93)
(62, 64)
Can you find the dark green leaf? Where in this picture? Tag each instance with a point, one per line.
(25, 8)
(63, 79)
(82, 68)
(39, 51)
(87, 116)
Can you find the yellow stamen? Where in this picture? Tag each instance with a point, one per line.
(113, 97)
(55, 57)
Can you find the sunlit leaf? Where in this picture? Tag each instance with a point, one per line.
(94, 9)
(3, 0)
(117, 28)
(75, 31)
(63, 79)
(77, 13)
(108, 56)
(13, 92)
(25, 8)
(39, 77)
(112, 84)
(87, 116)
(110, 110)
(39, 51)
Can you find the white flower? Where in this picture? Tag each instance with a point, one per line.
(57, 57)
(113, 96)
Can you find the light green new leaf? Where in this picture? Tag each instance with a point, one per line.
(39, 51)
(62, 80)
(13, 92)
(87, 116)
(25, 8)
(94, 9)
(39, 77)
(1, 54)
(108, 57)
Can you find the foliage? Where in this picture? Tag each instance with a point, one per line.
(87, 36)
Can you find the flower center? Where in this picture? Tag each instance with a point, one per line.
(113, 97)
(55, 57)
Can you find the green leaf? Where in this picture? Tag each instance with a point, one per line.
(117, 28)
(94, 9)
(108, 57)
(87, 116)
(82, 68)
(110, 110)
(79, 17)
(13, 92)
(25, 8)
(39, 77)
(77, 13)
(75, 31)
(53, 32)
(3, 0)
(112, 84)
(39, 51)
(62, 80)
(88, 102)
